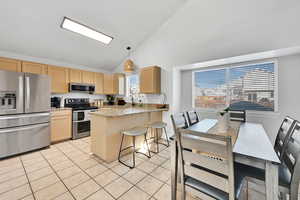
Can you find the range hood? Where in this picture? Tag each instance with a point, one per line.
(82, 87)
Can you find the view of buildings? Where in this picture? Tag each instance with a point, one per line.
(249, 87)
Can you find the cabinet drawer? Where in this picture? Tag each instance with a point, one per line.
(60, 113)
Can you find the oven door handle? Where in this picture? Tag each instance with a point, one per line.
(81, 121)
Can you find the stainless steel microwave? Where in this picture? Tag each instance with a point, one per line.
(79, 87)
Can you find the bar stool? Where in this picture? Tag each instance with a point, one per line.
(133, 133)
(156, 126)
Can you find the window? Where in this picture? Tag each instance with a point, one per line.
(132, 85)
(248, 87)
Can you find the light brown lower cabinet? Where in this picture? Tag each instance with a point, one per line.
(61, 122)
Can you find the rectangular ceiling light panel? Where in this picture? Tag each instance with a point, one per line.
(76, 27)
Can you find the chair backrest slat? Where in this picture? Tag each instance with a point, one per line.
(214, 147)
(210, 161)
(237, 115)
(207, 161)
(216, 181)
(292, 152)
(283, 136)
(179, 121)
(192, 117)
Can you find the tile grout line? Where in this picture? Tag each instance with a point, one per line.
(108, 168)
(120, 176)
(88, 174)
(58, 178)
(148, 174)
(27, 179)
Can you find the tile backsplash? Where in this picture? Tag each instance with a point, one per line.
(146, 98)
(78, 95)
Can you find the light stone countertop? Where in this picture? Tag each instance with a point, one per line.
(117, 112)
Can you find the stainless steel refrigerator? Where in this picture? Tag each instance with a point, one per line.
(24, 112)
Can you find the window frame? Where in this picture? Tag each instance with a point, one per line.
(128, 94)
(227, 68)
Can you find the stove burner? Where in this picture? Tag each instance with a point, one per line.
(79, 104)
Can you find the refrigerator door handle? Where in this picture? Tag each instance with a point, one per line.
(6, 117)
(20, 100)
(23, 128)
(27, 106)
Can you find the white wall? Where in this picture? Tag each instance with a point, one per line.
(206, 30)
(288, 95)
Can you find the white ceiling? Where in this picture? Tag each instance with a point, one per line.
(205, 30)
(32, 28)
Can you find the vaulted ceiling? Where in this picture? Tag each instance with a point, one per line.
(32, 28)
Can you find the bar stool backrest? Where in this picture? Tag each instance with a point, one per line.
(179, 121)
(291, 158)
(283, 135)
(208, 159)
(237, 115)
(192, 117)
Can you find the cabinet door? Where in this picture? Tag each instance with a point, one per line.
(59, 79)
(111, 84)
(108, 84)
(75, 76)
(146, 81)
(88, 77)
(150, 80)
(10, 65)
(35, 68)
(61, 126)
(99, 78)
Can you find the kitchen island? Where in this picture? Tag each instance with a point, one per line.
(108, 123)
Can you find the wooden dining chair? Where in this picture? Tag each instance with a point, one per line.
(212, 176)
(237, 115)
(193, 117)
(283, 135)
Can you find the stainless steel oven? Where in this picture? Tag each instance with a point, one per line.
(81, 123)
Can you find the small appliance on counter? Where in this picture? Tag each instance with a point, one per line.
(110, 99)
(121, 101)
(98, 103)
(55, 102)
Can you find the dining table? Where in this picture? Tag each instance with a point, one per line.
(251, 146)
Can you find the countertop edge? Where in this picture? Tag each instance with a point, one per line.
(132, 113)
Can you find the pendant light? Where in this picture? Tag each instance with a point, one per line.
(128, 65)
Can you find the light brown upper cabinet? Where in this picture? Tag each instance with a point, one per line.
(114, 84)
(75, 76)
(88, 77)
(150, 80)
(35, 68)
(59, 79)
(99, 83)
(110, 84)
(10, 64)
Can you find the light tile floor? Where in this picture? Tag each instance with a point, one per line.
(67, 171)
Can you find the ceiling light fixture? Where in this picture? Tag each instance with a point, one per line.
(128, 65)
(81, 29)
